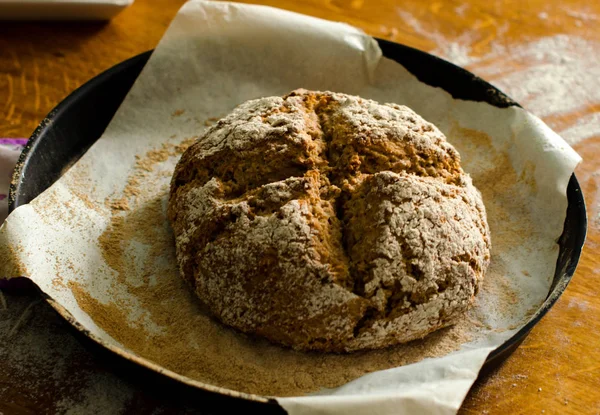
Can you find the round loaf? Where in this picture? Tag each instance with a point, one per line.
(324, 221)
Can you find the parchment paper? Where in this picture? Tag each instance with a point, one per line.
(217, 55)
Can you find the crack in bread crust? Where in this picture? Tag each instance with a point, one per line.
(324, 221)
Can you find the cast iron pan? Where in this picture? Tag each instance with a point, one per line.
(77, 122)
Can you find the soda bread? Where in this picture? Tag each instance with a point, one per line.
(324, 221)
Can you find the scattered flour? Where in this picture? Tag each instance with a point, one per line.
(460, 10)
(458, 52)
(45, 370)
(552, 77)
(584, 15)
(48, 367)
(585, 127)
(103, 394)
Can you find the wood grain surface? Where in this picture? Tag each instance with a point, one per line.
(555, 371)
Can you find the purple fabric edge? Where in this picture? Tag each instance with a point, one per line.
(14, 141)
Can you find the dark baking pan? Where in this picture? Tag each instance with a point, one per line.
(76, 123)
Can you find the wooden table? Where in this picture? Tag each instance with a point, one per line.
(556, 370)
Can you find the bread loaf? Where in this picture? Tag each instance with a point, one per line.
(324, 221)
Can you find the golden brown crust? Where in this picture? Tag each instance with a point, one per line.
(328, 222)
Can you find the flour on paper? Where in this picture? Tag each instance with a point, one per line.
(223, 357)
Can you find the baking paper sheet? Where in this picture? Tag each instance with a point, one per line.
(217, 55)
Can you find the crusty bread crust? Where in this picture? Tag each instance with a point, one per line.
(324, 221)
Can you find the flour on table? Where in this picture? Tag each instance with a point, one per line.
(584, 15)
(551, 76)
(38, 356)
